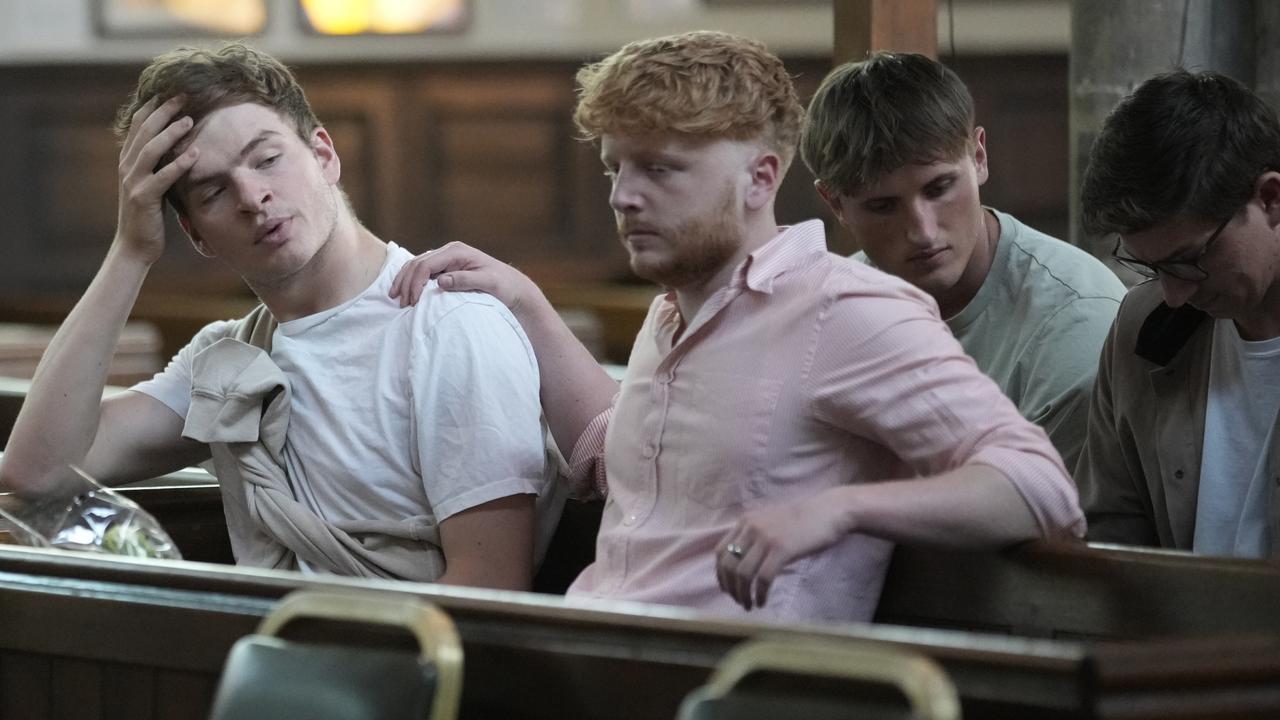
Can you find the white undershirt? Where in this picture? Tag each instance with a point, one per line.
(1244, 397)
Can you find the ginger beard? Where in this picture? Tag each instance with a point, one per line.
(689, 253)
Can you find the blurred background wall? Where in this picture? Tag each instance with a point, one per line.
(461, 134)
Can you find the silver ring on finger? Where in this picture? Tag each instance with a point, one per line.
(735, 550)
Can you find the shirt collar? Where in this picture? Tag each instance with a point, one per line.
(792, 245)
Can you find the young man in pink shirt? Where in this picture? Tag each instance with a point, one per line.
(787, 414)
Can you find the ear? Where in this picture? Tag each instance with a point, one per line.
(326, 155)
(194, 236)
(980, 154)
(831, 198)
(766, 176)
(1267, 190)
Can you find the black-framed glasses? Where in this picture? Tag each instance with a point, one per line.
(1188, 270)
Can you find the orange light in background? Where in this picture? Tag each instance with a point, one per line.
(392, 17)
(229, 17)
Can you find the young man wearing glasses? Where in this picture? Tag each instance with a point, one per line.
(1182, 450)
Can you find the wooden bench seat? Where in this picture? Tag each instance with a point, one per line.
(153, 635)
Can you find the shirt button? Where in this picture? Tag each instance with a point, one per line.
(649, 452)
(1178, 473)
(666, 378)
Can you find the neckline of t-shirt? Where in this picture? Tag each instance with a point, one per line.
(1251, 349)
(305, 323)
(978, 304)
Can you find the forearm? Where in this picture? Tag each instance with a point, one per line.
(59, 418)
(575, 389)
(974, 506)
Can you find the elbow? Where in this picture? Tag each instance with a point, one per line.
(20, 480)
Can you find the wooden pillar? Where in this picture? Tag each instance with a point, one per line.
(864, 26)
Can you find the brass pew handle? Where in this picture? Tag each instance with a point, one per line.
(436, 635)
(928, 690)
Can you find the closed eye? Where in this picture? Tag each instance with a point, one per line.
(879, 205)
(268, 161)
(211, 194)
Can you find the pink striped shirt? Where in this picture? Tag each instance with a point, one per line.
(807, 371)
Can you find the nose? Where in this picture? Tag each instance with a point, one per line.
(251, 194)
(624, 195)
(1176, 291)
(922, 223)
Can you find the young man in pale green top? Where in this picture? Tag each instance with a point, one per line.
(899, 160)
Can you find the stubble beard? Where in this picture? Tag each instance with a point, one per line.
(283, 280)
(698, 249)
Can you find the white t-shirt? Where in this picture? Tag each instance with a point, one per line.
(1244, 397)
(398, 412)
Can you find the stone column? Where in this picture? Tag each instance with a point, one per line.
(1267, 45)
(1116, 44)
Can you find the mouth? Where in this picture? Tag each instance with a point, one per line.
(927, 257)
(273, 232)
(633, 234)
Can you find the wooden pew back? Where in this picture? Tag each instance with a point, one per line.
(1076, 591)
(119, 638)
(154, 634)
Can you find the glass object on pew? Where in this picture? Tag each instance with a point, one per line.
(88, 517)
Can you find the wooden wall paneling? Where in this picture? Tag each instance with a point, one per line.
(61, 161)
(797, 199)
(184, 695)
(492, 161)
(479, 151)
(501, 168)
(359, 108)
(77, 690)
(1022, 103)
(25, 687)
(594, 232)
(129, 693)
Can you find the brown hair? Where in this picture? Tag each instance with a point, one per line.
(697, 83)
(214, 79)
(870, 118)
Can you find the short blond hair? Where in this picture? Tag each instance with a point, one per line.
(700, 83)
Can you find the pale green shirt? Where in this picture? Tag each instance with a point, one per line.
(1036, 327)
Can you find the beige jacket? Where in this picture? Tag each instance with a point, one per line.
(240, 405)
(1139, 473)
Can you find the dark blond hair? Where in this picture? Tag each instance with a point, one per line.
(870, 118)
(698, 83)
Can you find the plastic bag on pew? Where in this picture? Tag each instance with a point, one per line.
(88, 517)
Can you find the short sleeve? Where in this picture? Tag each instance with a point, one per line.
(172, 385)
(477, 416)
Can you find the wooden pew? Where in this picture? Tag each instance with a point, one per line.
(137, 639)
(1039, 590)
(1076, 591)
(1104, 592)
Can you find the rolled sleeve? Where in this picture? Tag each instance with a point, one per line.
(887, 369)
(587, 478)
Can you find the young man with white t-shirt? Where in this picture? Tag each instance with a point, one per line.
(349, 435)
